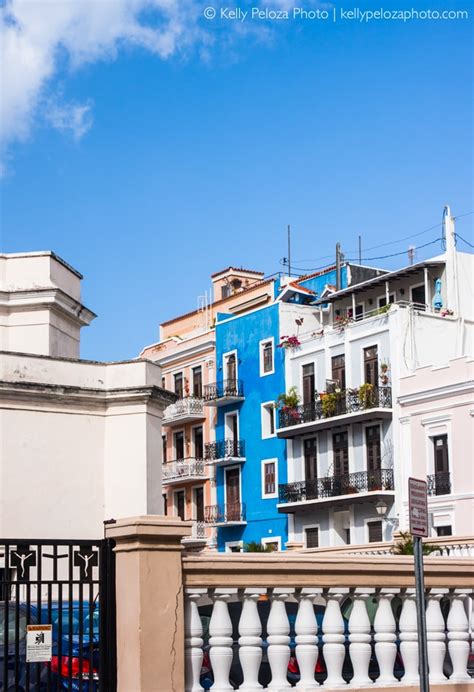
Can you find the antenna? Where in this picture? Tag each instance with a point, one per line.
(360, 249)
(289, 251)
(411, 253)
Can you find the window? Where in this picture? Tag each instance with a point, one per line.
(310, 459)
(383, 300)
(266, 357)
(165, 448)
(308, 383)
(340, 446)
(198, 441)
(180, 504)
(165, 504)
(197, 382)
(268, 420)
(359, 311)
(226, 291)
(374, 529)
(178, 384)
(273, 544)
(338, 364)
(231, 368)
(312, 537)
(441, 459)
(372, 444)
(198, 498)
(179, 445)
(418, 295)
(371, 365)
(269, 478)
(444, 530)
(163, 382)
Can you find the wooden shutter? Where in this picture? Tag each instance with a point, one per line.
(312, 537)
(375, 531)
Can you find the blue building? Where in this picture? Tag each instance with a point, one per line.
(250, 460)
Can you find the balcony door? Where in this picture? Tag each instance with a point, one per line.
(372, 443)
(230, 368)
(310, 467)
(308, 384)
(180, 504)
(232, 494)
(340, 446)
(179, 445)
(198, 498)
(441, 465)
(178, 384)
(198, 443)
(338, 364)
(197, 382)
(371, 365)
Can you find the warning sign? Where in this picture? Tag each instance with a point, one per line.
(39, 643)
(418, 507)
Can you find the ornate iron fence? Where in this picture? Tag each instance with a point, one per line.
(224, 449)
(333, 486)
(225, 514)
(336, 404)
(439, 483)
(184, 468)
(223, 389)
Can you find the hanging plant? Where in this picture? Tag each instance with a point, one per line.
(291, 342)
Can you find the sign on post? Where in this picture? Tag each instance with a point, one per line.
(39, 643)
(418, 507)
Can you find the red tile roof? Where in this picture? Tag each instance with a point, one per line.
(237, 269)
(301, 288)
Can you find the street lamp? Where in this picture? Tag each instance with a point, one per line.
(381, 508)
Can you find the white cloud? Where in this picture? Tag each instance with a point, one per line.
(73, 117)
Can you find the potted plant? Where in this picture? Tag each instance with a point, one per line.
(384, 377)
(289, 401)
(366, 394)
(328, 403)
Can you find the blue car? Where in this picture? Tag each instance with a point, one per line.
(75, 659)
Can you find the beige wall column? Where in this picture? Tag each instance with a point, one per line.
(150, 619)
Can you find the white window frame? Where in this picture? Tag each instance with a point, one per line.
(264, 406)
(441, 425)
(224, 362)
(261, 344)
(228, 414)
(312, 526)
(233, 544)
(272, 539)
(369, 520)
(264, 462)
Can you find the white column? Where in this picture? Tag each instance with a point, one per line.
(278, 629)
(435, 635)
(333, 637)
(306, 628)
(250, 640)
(458, 635)
(359, 637)
(409, 639)
(220, 630)
(385, 637)
(193, 641)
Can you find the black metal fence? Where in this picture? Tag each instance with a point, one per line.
(223, 389)
(336, 404)
(225, 514)
(223, 449)
(439, 483)
(333, 486)
(57, 615)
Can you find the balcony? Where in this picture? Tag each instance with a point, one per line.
(185, 410)
(439, 484)
(225, 515)
(184, 470)
(225, 451)
(332, 409)
(348, 488)
(198, 538)
(224, 392)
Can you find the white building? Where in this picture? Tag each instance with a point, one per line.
(80, 441)
(345, 448)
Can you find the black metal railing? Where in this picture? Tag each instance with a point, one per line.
(223, 390)
(439, 483)
(224, 514)
(333, 486)
(336, 404)
(224, 449)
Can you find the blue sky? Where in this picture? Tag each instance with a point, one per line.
(148, 167)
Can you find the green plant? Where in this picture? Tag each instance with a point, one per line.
(328, 403)
(255, 547)
(382, 310)
(366, 394)
(405, 545)
(290, 399)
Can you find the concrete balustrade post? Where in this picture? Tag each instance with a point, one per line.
(149, 593)
(458, 635)
(436, 635)
(359, 637)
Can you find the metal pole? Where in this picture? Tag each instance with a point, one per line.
(289, 251)
(421, 614)
(338, 266)
(360, 249)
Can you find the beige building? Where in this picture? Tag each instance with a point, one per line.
(80, 441)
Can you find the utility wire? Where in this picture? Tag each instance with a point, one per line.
(394, 254)
(464, 240)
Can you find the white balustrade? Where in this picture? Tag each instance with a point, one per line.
(334, 650)
(409, 638)
(278, 629)
(458, 635)
(306, 628)
(359, 637)
(385, 637)
(435, 635)
(220, 630)
(363, 646)
(193, 642)
(250, 640)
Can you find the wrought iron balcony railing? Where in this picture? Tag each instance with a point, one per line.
(439, 484)
(183, 469)
(188, 406)
(336, 404)
(224, 449)
(224, 389)
(333, 486)
(225, 514)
